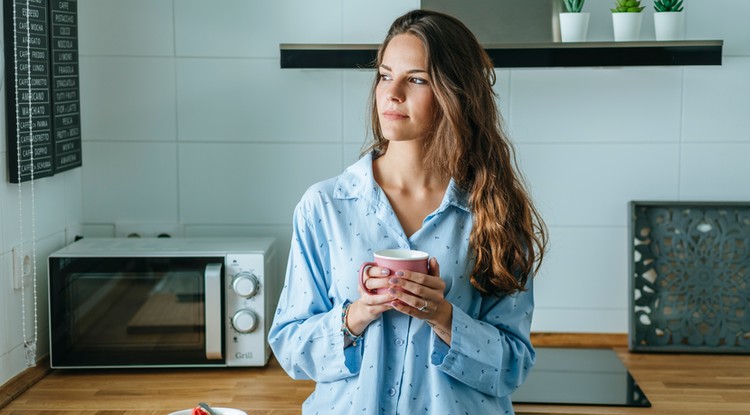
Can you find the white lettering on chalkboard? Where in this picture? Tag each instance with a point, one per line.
(66, 108)
(35, 54)
(32, 26)
(65, 83)
(35, 110)
(38, 138)
(40, 165)
(65, 18)
(66, 70)
(63, 134)
(36, 67)
(35, 82)
(35, 96)
(65, 44)
(38, 152)
(30, 13)
(35, 41)
(39, 124)
(68, 159)
(65, 96)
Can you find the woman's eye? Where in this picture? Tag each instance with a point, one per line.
(419, 81)
(384, 77)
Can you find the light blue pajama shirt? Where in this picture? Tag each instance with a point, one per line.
(400, 366)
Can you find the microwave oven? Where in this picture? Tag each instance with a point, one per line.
(162, 302)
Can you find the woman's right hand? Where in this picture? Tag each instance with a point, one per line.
(370, 305)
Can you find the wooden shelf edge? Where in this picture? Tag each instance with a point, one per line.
(588, 340)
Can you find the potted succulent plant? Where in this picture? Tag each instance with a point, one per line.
(574, 24)
(626, 20)
(669, 20)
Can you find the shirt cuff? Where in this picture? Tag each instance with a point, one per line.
(444, 356)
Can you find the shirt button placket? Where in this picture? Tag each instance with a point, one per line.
(397, 347)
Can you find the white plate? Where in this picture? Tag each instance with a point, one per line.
(222, 411)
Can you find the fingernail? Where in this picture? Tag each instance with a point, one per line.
(400, 273)
(392, 291)
(394, 280)
(385, 271)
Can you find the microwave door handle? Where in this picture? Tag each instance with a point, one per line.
(212, 317)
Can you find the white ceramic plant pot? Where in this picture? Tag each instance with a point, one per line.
(627, 26)
(574, 26)
(669, 25)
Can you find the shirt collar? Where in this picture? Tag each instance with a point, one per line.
(357, 181)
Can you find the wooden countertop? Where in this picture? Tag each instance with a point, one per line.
(676, 384)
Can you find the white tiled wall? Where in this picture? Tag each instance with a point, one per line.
(241, 28)
(142, 110)
(251, 100)
(585, 184)
(188, 119)
(596, 105)
(127, 180)
(226, 141)
(231, 183)
(721, 95)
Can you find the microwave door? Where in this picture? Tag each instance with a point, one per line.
(212, 281)
(136, 311)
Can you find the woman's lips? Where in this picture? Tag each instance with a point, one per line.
(394, 115)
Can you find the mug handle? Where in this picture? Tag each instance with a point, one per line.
(362, 270)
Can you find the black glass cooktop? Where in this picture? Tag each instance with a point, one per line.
(580, 377)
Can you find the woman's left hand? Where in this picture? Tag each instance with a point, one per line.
(423, 296)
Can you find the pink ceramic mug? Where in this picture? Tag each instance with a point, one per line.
(395, 260)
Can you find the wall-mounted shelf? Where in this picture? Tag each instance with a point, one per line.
(530, 55)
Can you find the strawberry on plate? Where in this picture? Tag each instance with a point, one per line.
(198, 411)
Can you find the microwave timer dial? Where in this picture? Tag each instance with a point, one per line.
(245, 321)
(245, 284)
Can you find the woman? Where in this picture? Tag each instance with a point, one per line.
(440, 177)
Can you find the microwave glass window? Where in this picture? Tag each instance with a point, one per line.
(137, 311)
(131, 311)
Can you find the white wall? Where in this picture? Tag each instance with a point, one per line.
(57, 206)
(188, 119)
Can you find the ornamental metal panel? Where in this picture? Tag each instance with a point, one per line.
(690, 277)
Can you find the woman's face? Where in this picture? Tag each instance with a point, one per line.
(404, 98)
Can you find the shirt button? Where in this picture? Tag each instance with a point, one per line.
(399, 342)
(392, 392)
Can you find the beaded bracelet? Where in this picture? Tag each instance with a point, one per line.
(344, 329)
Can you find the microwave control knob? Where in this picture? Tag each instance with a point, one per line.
(245, 321)
(245, 284)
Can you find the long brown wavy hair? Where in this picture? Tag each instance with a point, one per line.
(469, 144)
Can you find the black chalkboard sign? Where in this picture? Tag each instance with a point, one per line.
(27, 89)
(66, 104)
(41, 87)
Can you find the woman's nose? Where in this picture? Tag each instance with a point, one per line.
(395, 92)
